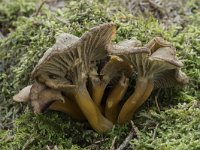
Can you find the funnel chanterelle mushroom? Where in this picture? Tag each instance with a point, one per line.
(44, 94)
(156, 65)
(66, 69)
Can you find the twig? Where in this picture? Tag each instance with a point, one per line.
(156, 100)
(137, 132)
(194, 104)
(40, 7)
(62, 20)
(1, 36)
(126, 141)
(129, 137)
(28, 142)
(99, 141)
(155, 5)
(113, 143)
(48, 148)
(55, 147)
(158, 7)
(95, 144)
(154, 132)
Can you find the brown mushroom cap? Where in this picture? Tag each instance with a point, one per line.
(127, 47)
(157, 43)
(167, 54)
(115, 68)
(169, 74)
(23, 95)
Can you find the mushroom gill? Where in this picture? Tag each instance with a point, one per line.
(51, 68)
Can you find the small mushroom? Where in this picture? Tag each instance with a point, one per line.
(23, 95)
(42, 97)
(157, 43)
(151, 68)
(114, 69)
(66, 68)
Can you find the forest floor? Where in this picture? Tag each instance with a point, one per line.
(169, 120)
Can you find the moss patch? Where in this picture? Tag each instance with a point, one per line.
(176, 125)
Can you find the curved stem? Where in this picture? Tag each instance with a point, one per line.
(69, 107)
(97, 92)
(146, 94)
(141, 93)
(91, 111)
(112, 108)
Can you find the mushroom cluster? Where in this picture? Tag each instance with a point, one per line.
(87, 77)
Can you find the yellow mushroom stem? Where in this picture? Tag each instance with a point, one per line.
(146, 94)
(69, 107)
(142, 91)
(112, 108)
(91, 111)
(97, 92)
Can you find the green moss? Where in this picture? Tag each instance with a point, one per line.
(174, 128)
(54, 128)
(23, 47)
(11, 10)
(42, 130)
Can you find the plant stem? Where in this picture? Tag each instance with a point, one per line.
(112, 108)
(91, 111)
(142, 91)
